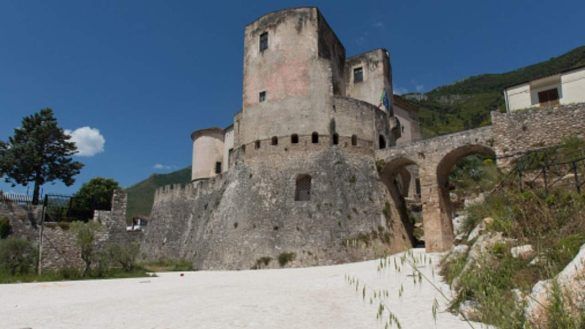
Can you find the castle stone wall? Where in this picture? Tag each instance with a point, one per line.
(251, 213)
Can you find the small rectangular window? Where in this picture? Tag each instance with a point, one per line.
(263, 41)
(218, 167)
(358, 75)
(262, 96)
(549, 97)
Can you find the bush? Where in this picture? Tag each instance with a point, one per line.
(17, 256)
(5, 228)
(86, 234)
(286, 257)
(124, 255)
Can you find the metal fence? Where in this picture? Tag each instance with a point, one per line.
(56, 207)
(16, 198)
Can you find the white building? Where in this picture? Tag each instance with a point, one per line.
(560, 89)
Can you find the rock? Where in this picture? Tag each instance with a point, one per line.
(537, 302)
(479, 229)
(480, 250)
(571, 282)
(538, 260)
(488, 221)
(523, 252)
(458, 221)
(456, 252)
(469, 310)
(470, 202)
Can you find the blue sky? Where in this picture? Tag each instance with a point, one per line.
(147, 73)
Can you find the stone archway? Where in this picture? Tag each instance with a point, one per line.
(398, 177)
(437, 208)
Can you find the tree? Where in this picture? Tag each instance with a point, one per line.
(95, 194)
(38, 153)
(86, 234)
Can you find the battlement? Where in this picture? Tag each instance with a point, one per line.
(193, 189)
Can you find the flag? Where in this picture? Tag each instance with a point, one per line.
(384, 100)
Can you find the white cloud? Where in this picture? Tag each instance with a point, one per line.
(378, 24)
(420, 88)
(160, 166)
(89, 141)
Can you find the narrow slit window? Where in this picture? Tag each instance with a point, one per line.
(218, 167)
(262, 96)
(274, 140)
(335, 139)
(358, 74)
(303, 188)
(382, 142)
(257, 144)
(353, 140)
(294, 139)
(315, 138)
(263, 41)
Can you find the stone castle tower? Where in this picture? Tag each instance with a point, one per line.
(295, 173)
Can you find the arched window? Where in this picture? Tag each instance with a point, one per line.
(382, 142)
(315, 138)
(294, 139)
(335, 139)
(303, 188)
(274, 140)
(353, 140)
(257, 144)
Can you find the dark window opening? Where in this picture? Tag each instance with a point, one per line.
(358, 75)
(263, 41)
(382, 142)
(303, 188)
(353, 140)
(335, 139)
(549, 97)
(243, 148)
(274, 140)
(218, 167)
(262, 96)
(417, 186)
(257, 144)
(315, 138)
(294, 139)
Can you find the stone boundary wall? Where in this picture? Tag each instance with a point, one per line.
(521, 131)
(60, 249)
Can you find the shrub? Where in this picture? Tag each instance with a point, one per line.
(5, 228)
(86, 234)
(262, 262)
(124, 255)
(286, 257)
(17, 256)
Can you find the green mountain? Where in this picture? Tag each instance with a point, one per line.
(459, 106)
(467, 104)
(141, 195)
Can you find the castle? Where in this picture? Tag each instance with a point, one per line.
(315, 168)
(295, 172)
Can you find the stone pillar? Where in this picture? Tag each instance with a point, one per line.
(438, 227)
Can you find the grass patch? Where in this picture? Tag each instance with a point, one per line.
(285, 258)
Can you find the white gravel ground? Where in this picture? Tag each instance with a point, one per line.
(316, 297)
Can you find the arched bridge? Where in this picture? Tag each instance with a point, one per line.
(509, 136)
(435, 159)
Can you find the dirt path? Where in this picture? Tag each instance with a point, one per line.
(317, 297)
